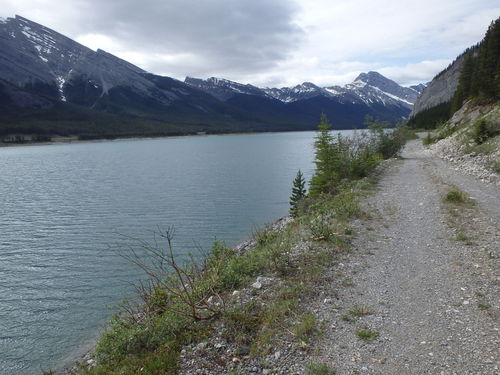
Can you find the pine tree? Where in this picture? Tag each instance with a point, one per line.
(298, 193)
(324, 174)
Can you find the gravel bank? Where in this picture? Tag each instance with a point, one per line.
(456, 149)
(432, 299)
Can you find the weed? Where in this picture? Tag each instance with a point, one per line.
(461, 236)
(264, 236)
(348, 318)
(347, 282)
(321, 229)
(313, 368)
(483, 306)
(359, 311)
(456, 196)
(367, 335)
(495, 166)
(307, 327)
(428, 140)
(481, 132)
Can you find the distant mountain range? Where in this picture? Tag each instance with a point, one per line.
(50, 84)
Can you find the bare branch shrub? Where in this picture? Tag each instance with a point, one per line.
(185, 288)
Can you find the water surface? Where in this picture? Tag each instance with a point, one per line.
(62, 206)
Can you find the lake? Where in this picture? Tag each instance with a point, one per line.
(62, 207)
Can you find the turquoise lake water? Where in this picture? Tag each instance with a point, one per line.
(62, 207)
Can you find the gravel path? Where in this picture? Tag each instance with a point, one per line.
(431, 297)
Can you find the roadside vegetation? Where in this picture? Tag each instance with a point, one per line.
(249, 299)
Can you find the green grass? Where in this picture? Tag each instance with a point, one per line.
(456, 196)
(367, 335)
(313, 368)
(359, 311)
(483, 306)
(461, 236)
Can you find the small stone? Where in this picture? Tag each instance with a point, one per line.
(257, 285)
(236, 292)
(277, 355)
(266, 371)
(466, 302)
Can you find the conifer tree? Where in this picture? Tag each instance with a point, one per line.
(298, 193)
(324, 174)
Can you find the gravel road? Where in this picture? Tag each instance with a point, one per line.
(423, 274)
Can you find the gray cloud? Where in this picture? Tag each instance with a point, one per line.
(272, 42)
(226, 35)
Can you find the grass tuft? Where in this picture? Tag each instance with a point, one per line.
(456, 196)
(359, 311)
(313, 368)
(367, 335)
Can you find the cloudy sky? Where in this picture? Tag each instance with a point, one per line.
(272, 42)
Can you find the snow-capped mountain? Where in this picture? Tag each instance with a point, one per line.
(303, 91)
(223, 89)
(367, 89)
(53, 83)
(373, 87)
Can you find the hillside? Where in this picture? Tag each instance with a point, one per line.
(474, 75)
(470, 141)
(464, 100)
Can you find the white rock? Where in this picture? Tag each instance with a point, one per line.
(257, 285)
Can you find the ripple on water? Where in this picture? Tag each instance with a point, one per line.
(63, 207)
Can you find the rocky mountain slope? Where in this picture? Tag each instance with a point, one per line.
(441, 89)
(50, 84)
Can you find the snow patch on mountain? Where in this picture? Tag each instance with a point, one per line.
(60, 85)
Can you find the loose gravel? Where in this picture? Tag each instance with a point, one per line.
(433, 299)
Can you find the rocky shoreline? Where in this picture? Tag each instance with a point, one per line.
(87, 360)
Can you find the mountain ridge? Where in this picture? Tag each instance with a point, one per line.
(225, 89)
(51, 84)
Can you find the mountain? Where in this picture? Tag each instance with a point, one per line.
(223, 89)
(367, 88)
(441, 89)
(346, 106)
(45, 75)
(51, 84)
(475, 74)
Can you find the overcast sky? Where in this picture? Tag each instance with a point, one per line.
(272, 42)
